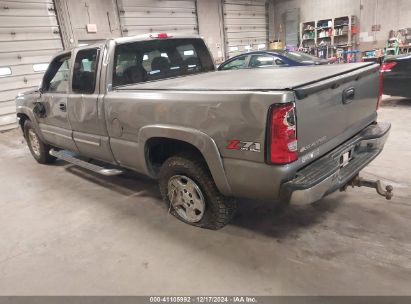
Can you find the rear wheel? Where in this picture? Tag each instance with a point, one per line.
(192, 196)
(38, 148)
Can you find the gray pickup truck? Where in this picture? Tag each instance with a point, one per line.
(155, 104)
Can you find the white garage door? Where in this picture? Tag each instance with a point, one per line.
(245, 26)
(29, 36)
(146, 16)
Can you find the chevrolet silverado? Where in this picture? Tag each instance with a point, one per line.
(155, 104)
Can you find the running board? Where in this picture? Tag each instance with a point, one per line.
(69, 157)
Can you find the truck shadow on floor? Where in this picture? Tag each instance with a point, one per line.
(279, 220)
(396, 102)
(271, 219)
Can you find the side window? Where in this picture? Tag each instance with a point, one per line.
(124, 61)
(235, 64)
(85, 71)
(56, 80)
(125, 65)
(258, 61)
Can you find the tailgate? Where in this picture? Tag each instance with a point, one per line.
(332, 110)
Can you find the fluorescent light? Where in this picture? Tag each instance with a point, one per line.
(5, 71)
(40, 67)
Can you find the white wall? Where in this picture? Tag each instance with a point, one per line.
(391, 14)
(317, 9)
(73, 17)
(210, 24)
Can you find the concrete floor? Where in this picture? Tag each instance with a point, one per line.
(67, 231)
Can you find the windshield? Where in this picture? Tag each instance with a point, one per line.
(159, 59)
(300, 57)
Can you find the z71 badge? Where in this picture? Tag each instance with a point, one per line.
(243, 145)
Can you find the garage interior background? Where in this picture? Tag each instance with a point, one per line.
(32, 31)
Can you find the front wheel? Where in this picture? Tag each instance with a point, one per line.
(192, 196)
(38, 149)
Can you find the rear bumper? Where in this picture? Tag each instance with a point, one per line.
(327, 175)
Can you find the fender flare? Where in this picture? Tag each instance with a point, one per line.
(204, 143)
(29, 113)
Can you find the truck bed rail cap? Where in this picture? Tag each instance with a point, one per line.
(264, 79)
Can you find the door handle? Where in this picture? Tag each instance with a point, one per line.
(348, 95)
(62, 107)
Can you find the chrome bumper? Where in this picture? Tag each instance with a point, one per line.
(327, 175)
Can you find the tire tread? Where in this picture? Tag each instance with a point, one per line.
(45, 157)
(219, 210)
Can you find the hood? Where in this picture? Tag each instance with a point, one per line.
(28, 92)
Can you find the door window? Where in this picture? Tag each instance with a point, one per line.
(57, 77)
(235, 64)
(259, 61)
(85, 71)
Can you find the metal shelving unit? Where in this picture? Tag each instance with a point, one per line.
(333, 37)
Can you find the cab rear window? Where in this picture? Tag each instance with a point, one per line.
(159, 59)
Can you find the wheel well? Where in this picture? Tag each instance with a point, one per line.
(159, 149)
(22, 119)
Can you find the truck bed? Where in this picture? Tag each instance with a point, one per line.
(277, 78)
(334, 102)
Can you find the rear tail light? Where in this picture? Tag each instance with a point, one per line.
(387, 66)
(282, 138)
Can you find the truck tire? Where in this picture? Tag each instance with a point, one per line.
(38, 149)
(191, 194)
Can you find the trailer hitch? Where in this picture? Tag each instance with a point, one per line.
(376, 184)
